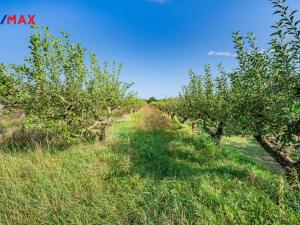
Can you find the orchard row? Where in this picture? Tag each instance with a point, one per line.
(259, 98)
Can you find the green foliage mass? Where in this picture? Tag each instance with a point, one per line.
(62, 92)
(260, 97)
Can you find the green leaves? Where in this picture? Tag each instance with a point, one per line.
(261, 97)
(287, 35)
(62, 92)
(11, 90)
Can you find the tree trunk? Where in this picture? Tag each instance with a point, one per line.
(208, 130)
(102, 134)
(219, 133)
(193, 127)
(280, 156)
(21, 114)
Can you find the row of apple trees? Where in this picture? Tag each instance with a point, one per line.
(259, 98)
(63, 92)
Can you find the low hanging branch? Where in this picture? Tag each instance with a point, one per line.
(216, 133)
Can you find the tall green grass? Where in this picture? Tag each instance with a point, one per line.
(150, 171)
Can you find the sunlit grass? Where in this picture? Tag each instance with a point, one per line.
(151, 170)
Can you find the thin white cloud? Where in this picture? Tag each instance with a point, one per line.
(159, 1)
(221, 53)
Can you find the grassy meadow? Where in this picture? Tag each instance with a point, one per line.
(151, 170)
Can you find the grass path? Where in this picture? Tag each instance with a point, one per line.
(151, 171)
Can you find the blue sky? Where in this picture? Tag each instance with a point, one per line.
(157, 40)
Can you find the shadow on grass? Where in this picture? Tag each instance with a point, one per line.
(162, 153)
(251, 153)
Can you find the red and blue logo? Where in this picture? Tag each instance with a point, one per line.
(18, 20)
